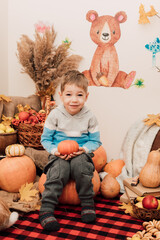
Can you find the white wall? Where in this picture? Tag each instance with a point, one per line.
(115, 108)
(4, 47)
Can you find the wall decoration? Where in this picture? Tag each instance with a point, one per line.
(143, 16)
(154, 47)
(158, 69)
(104, 70)
(139, 83)
(66, 41)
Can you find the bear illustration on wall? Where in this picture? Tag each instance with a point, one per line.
(104, 70)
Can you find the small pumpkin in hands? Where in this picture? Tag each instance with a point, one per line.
(67, 147)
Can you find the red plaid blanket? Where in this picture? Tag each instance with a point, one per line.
(111, 223)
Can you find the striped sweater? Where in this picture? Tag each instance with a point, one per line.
(81, 127)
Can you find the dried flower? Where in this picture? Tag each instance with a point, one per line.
(43, 61)
(41, 27)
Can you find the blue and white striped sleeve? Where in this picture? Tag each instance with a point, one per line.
(48, 133)
(94, 136)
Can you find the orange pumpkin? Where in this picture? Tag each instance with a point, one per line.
(68, 147)
(110, 187)
(16, 171)
(69, 194)
(114, 167)
(100, 158)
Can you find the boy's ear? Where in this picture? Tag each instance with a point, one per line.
(60, 94)
(87, 96)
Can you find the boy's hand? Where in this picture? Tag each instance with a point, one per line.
(80, 151)
(65, 157)
(57, 154)
(74, 154)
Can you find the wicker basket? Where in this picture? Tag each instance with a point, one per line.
(29, 135)
(145, 214)
(7, 139)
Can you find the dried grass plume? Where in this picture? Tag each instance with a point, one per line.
(43, 61)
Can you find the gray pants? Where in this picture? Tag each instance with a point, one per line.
(59, 171)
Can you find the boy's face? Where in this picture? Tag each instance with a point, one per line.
(73, 98)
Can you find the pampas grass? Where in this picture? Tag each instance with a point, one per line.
(44, 62)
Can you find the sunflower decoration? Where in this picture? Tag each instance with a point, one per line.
(152, 119)
(44, 62)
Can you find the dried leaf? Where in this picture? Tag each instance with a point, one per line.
(143, 19)
(3, 97)
(37, 207)
(152, 119)
(27, 193)
(6, 120)
(152, 12)
(20, 108)
(27, 108)
(128, 208)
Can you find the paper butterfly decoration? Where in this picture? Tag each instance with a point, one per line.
(154, 47)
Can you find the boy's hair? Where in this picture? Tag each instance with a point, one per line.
(74, 77)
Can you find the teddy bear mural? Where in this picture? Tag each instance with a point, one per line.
(104, 70)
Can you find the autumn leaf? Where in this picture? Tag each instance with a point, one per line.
(128, 208)
(27, 193)
(27, 108)
(152, 119)
(6, 120)
(3, 97)
(20, 108)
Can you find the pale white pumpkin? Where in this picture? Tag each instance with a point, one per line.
(14, 150)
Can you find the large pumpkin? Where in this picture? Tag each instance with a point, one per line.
(16, 171)
(100, 158)
(68, 147)
(69, 194)
(114, 167)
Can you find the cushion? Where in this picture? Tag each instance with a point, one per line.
(10, 108)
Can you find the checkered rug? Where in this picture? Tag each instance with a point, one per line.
(111, 223)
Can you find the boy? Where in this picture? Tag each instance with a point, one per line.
(71, 120)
